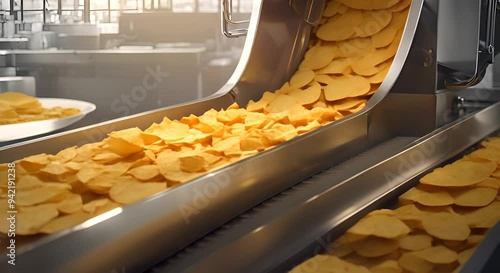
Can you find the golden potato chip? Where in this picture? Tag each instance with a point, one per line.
(129, 192)
(375, 247)
(474, 239)
(65, 222)
(446, 226)
(484, 217)
(412, 263)
(35, 162)
(348, 238)
(474, 197)
(341, 26)
(320, 56)
(490, 182)
(345, 87)
(385, 37)
(434, 198)
(389, 266)
(403, 4)
(369, 5)
(486, 154)
(168, 131)
(437, 255)
(325, 263)
(348, 103)
(373, 22)
(301, 78)
(281, 104)
(383, 226)
(67, 154)
(331, 8)
(380, 76)
(40, 195)
(31, 219)
(307, 96)
(106, 157)
(354, 48)
(415, 242)
(71, 204)
(145, 172)
(337, 66)
(465, 255)
(459, 174)
(339, 250)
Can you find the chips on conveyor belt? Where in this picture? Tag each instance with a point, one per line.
(17, 107)
(438, 227)
(349, 55)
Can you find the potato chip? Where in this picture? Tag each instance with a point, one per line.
(412, 263)
(301, 78)
(389, 266)
(99, 206)
(144, 172)
(383, 226)
(40, 195)
(71, 204)
(30, 220)
(129, 192)
(35, 162)
(375, 247)
(307, 96)
(474, 197)
(465, 255)
(369, 5)
(346, 87)
(490, 182)
(341, 26)
(435, 198)
(403, 4)
(446, 226)
(486, 154)
(459, 174)
(484, 217)
(325, 263)
(64, 222)
(337, 66)
(339, 250)
(354, 48)
(321, 56)
(331, 8)
(373, 22)
(385, 37)
(415, 242)
(437, 255)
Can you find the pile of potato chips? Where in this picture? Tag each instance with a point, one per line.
(436, 228)
(338, 74)
(17, 107)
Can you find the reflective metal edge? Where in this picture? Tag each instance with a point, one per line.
(168, 221)
(314, 221)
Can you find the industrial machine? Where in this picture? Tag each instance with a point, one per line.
(271, 211)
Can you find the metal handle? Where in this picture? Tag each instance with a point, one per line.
(227, 20)
(486, 51)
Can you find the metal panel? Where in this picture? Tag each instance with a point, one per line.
(24, 85)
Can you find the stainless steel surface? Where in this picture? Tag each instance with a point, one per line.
(24, 85)
(472, 19)
(306, 219)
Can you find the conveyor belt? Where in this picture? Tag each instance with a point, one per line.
(306, 218)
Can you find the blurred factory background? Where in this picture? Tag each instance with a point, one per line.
(125, 56)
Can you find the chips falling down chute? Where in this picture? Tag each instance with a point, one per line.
(334, 80)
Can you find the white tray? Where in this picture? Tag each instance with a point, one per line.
(16, 131)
